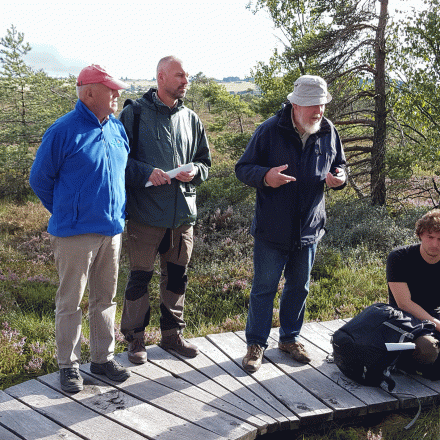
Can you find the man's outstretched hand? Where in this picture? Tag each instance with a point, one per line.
(275, 177)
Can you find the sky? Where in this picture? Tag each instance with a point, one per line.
(219, 38)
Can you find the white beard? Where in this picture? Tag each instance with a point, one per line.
(310, 128)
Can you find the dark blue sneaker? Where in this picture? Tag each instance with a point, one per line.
(112, 369)
(70, 379)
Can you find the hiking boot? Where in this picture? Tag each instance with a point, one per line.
(70, 379)
(112, 369)
(136, 351)
(296, 350)
(254, 356)
(179, 345)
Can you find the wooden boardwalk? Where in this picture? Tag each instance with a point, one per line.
(208, 397)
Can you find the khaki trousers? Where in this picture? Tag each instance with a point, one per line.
(175, 248)
(91, 259)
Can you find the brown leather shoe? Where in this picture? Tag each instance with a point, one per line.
(179, 345)
(136, 351)
(254, 356)
(296, 350)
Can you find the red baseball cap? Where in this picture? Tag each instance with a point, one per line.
(95, 74)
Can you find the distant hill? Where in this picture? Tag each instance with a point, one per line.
(142, 85)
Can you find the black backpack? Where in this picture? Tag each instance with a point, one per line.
(137, 109)
(359, 348)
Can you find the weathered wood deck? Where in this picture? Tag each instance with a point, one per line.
(208, 397)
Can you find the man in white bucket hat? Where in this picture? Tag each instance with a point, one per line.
(289, 160)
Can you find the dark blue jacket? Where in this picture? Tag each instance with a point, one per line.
(292, 215)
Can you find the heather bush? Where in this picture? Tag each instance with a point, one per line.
(357, 223)
(35, 294)
(16, 219)
(222, 187)
(27, 348)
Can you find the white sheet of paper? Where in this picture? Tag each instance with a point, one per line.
(396, 346)
(173, 173)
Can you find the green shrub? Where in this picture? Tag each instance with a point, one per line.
(346, 292)
(357, 223)
(36, 295)
(327, 261)
(222, 188)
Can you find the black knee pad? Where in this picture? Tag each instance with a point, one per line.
(137, 285)
(177, 278)
(167, 320)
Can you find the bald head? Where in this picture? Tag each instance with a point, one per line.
(172, 80)
(164, 63)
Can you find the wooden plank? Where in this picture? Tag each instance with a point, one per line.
(8, 435)
(229, 386)
(318, 335)
(176, 402)
(165, 378)
(251, 382)
(26, 423)
(432, 384)
(68, 413)
(297, 399)
(343, 403)
(243, 384)
(409, 392)
(209, 397)
(179, 368)
(145, 419)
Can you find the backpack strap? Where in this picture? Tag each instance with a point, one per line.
(137, 110)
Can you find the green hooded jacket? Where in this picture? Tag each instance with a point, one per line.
(167, 138)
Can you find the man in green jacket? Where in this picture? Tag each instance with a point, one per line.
(161, 208)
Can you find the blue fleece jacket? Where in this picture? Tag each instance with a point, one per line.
(79, 174)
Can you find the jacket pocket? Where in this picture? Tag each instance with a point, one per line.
(75, 209)
(322, 160)
(189, 193)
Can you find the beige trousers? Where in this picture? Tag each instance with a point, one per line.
(81, 260)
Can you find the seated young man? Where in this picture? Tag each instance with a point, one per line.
(413, 284)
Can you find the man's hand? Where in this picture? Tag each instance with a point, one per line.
(185, 176)
(159, 177)
(333, 181)
(274, 177)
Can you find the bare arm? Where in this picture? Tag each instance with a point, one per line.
(402, 295)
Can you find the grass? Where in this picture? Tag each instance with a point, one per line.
(349, 274)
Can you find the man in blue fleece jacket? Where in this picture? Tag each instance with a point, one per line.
(79, 176)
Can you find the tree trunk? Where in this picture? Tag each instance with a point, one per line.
(378, 185)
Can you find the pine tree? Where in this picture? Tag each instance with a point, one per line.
(30, 102)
